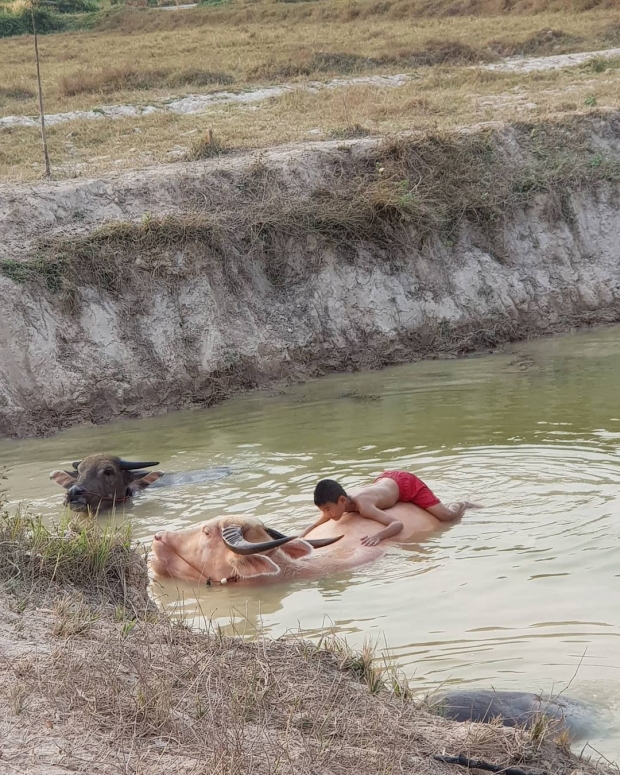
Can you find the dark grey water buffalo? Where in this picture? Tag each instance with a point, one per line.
(517, 709)
(99, 482)
(102, 481)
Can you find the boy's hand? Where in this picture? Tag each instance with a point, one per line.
(370, 540)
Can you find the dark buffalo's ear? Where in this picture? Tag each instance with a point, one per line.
(142, 479)
(65, 479)
(76, 464)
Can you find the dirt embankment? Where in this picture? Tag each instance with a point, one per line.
(92, 680)
(164, 288)
(83, 693)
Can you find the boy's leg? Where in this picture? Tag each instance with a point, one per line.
(453, 511)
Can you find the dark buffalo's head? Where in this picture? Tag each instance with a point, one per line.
(102, 481)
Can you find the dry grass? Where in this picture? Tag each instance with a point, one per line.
(271, 41)
(128, 78)
(409, 186)
(93, 688)
(440, 99)
(100, 561)
(94, 695)
(207, 147)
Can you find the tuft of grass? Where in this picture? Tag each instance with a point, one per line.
(72, 619)
(132, 78)
(602, 64)
(540, 43)
(352, 132)
(206, 147)
(75, 554)
(17, 93)
(433, 52)
(363, 665)
(51, 272)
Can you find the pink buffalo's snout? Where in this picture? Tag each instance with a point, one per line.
(169, 560)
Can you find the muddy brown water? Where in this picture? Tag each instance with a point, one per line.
(523, 595)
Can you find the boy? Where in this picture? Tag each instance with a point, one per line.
(388, 489)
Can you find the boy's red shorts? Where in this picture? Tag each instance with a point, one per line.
(411, 489)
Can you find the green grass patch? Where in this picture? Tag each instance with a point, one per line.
(77, 553)
(20, 22)
(51, 272)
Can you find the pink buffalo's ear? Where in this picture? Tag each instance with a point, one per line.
(145, 480)
(296, 549)
(252, 565)
(64, 478)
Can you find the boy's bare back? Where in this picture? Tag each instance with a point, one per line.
(372, 501)
(382, 494)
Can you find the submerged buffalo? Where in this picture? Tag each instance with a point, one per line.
(518, 709)
(241, 548)
(102, 481)
(99, 482)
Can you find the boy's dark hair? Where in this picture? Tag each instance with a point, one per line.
(328, 491)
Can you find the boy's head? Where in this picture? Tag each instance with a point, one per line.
(331, 498)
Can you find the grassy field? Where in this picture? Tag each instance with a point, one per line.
(140, 56)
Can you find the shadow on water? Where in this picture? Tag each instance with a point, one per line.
(521, 595)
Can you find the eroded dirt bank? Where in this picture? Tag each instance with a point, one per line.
(93, 680)
(163, 288)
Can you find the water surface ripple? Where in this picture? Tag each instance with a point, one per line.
(520, 595)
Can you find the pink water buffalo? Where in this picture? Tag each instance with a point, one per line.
(243, 549)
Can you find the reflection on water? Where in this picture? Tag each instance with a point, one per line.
(520, 595)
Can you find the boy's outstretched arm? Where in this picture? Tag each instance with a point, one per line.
(323, 518)
(453, 511)
(369, 511)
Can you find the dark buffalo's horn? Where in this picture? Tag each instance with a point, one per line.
(76, 463)
(126, 465)
(234, 540)
(315, 543)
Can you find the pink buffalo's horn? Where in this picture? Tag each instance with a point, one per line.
(234, 540)
(315, 543)
(318, 543)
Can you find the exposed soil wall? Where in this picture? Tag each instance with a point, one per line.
(163, 288)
